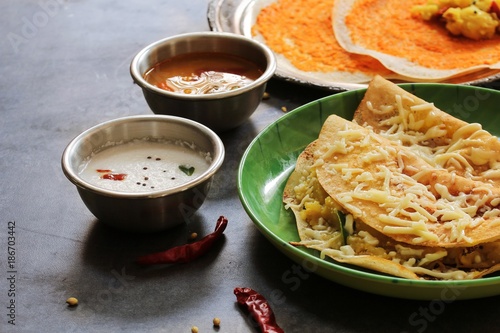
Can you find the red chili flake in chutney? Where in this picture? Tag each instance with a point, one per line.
(114, 176)
(108, 174)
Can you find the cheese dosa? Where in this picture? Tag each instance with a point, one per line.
(372, 179)
(358, 244)
(441, 139)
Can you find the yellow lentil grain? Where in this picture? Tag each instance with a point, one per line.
(72, 301)
(194, 329)
(216, 322)
(193, 236)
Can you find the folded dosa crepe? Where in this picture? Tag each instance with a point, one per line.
(319, 228)
(394, 191)
(318, 223)
(386, 31)
(406, 214)
(300, 34)
(439, 138)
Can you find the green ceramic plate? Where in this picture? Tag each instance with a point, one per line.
(270, 159)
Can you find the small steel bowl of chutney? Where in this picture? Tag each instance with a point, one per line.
(215, 78)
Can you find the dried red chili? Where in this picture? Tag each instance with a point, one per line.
(188, 252)
(259, 308)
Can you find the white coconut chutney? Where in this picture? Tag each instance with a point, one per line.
(144, 165)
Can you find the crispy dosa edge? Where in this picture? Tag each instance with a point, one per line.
(381, 94)
(302, 167)
(333, 184)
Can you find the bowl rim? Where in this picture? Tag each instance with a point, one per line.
(73, 176)
(263, 78)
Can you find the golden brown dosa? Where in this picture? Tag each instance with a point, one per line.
(441, 236)
(370, 255)
(304, 173)
(386, 31)
(373, 212)
(448, 142)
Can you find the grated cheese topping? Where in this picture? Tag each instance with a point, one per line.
(379, 175)
(408, 200)
(462, 152)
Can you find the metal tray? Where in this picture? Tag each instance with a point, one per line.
(238, 16)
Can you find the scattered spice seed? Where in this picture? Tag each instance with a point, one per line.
(216, 322)
(193, 235)
(266, 95)
(72, 301)
(194, 329)
(284, 109)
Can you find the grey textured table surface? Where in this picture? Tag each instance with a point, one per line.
(64, 68)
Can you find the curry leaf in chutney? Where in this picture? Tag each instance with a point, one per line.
(187, 169)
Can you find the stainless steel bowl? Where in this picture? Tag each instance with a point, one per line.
(147, 211)
(219, 111)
